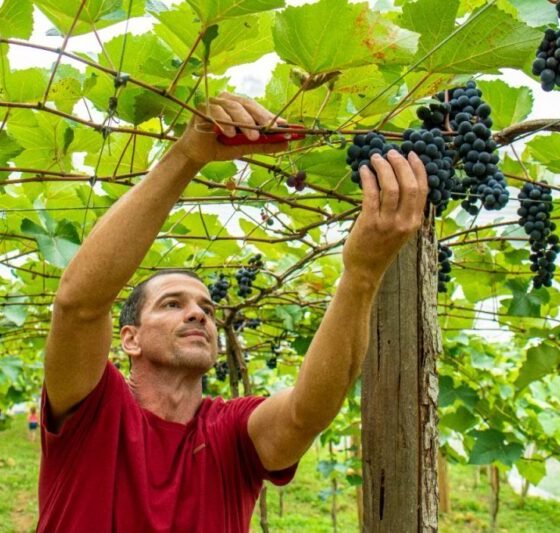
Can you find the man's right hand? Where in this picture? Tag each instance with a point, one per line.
(199, 141)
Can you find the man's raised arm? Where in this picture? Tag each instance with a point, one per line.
(284, 426)
(80, 336)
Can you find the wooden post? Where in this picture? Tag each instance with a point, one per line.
(494, 475)
(399, 395)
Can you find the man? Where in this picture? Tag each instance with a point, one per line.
(152, 455)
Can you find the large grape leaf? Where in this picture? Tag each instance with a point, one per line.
(532, 470)
(487, 41)
(491, 445)
(67, 88)
(16, 19)
(239, 40)
(460, 420)
(546, 150)
(541, 361)
(144, 55)
(420, 17)
(98, 13)
(333, 35)
(217, 10)
(27, 85)
(58, 243)
(525, 302)
(510, 105)
(43, 138)
(9, 148)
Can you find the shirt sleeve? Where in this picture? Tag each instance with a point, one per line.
(241, 409)
(87, 411)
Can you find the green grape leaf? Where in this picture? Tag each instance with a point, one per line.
(541, 361)
(10, 368)
(213, 12)
(67, 88)
(488, 40)
(491, 446)
(461, 420)
(523, 303)
(16, 314)
(509, 104)
(27, 85)
(219, 171)
(550, 422)
(98, 13)
(333, 35)
(58, 246)
(532, 470)
(16, 19)
(546, 150)
(9, 149)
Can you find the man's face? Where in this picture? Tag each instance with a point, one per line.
(177, 327)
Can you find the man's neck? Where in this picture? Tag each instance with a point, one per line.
(166, 392)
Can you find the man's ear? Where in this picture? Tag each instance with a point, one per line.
(130, 342)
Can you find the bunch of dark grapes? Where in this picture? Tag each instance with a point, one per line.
(444, 267)
(245, 276)
(433, 116)
(547, 63)
(535, 209)
(428, 145)
(222, 370)
(297, 181)
(467, 114)
(218, 290)
(363, 147)
(431, 148)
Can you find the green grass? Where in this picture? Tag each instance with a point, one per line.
(470, 502)
(19, 471)
(303, 509)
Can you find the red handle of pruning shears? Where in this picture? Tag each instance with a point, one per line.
(264, 138)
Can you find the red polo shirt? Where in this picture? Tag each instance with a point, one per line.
(116, 467)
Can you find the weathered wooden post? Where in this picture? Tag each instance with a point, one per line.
(399, 395)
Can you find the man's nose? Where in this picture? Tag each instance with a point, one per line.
(194, 313)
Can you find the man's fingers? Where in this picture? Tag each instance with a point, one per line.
(218, 113)
(422, 179)
(261, 116)
(408, 185)
(238, 114)
(370, 190)
(388, 185)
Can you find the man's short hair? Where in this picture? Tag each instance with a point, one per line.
(132, 308)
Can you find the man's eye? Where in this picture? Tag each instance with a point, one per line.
(172, 303)
(208, 310)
